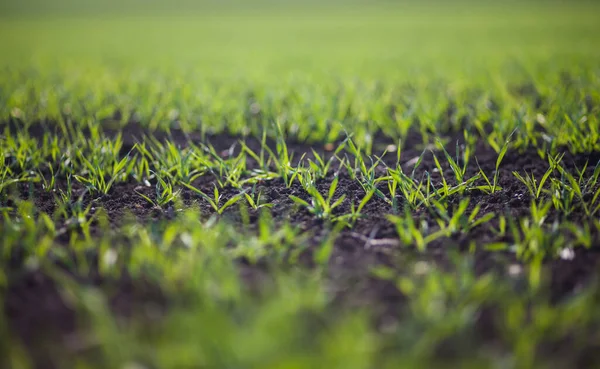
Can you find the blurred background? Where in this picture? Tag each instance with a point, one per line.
(207, 60)
(358, 37)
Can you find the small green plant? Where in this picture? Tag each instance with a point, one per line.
(320, 166)
(355, 211)
(535, 189)
(460, 187)
(164, 193)
(368, 179)
(458, 220)
(570, 188)
(255, 199)
(415, 193)
(319, 206)
(73, 210)
(458, 170)
(215, 201)
(95, 177)
(48, 185)
(410, 233)
(492, 186)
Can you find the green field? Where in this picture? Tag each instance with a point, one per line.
(278, 184)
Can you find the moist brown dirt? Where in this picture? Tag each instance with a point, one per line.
(33, 302)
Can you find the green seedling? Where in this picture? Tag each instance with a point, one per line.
(164, 193)
(355, 211)
(535, 189)
(458, 220)
(320, 166)
(48, 184)
(458, 170)
(96, 175)
(319, 206)
(492, 186)
(215, 201)
(409, 232)
(255, 200)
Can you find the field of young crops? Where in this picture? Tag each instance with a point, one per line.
(298, 185)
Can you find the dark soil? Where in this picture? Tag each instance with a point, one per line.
(34, 304)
